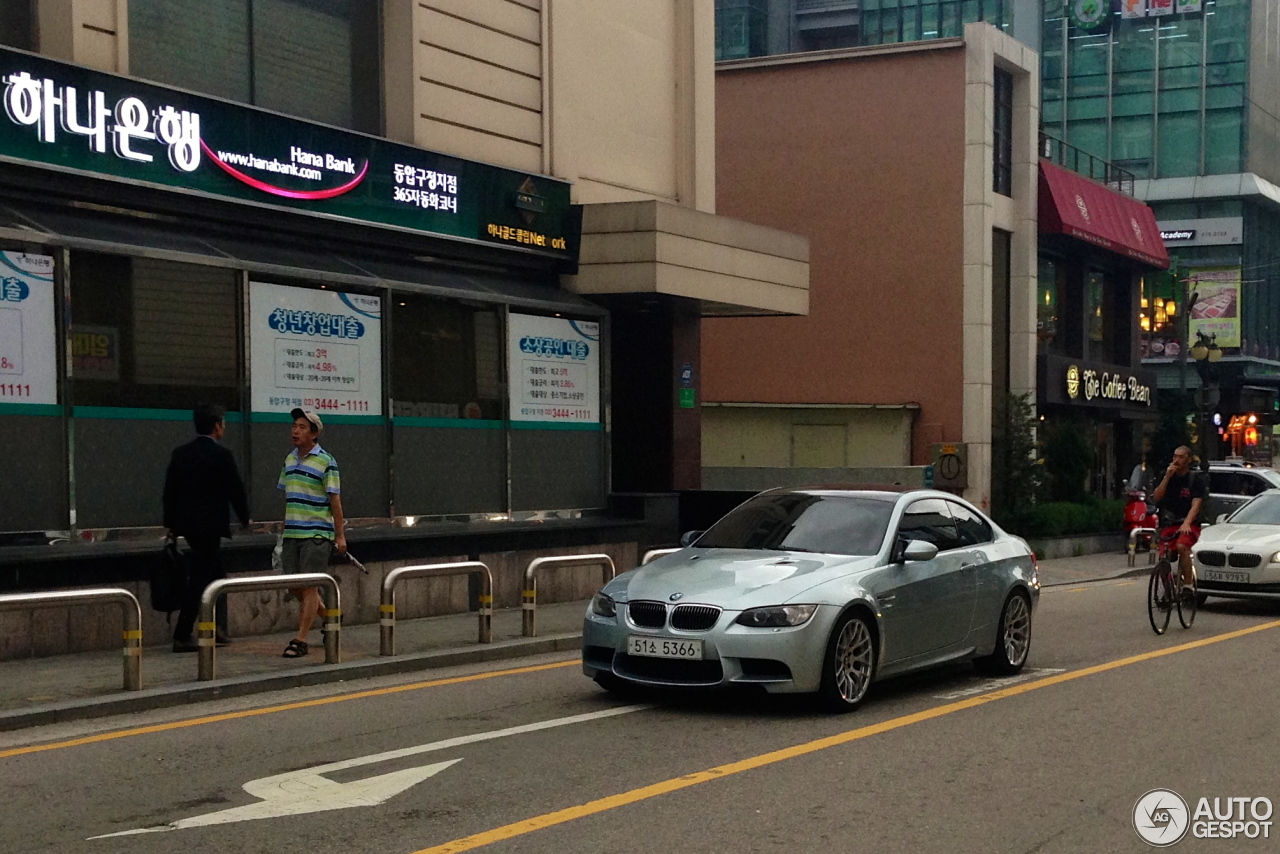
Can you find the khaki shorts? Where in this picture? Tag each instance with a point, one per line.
(305, 555)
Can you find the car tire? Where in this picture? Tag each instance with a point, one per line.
(849, 665)
(1013, 639)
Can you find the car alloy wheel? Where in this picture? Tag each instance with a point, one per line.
(1017, 631)
(1013, 639)
(850, 664)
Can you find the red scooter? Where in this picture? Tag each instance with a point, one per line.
(1142, 517)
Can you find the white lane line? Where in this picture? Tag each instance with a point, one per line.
(306, 790)
(997, 684)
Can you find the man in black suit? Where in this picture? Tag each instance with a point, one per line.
(202, 481)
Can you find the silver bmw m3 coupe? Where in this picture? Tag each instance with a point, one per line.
(819, 590)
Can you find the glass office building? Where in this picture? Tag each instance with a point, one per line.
(747, 28)
(1181, 93)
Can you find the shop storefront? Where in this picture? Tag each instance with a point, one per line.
(161, 249)
(1096, 246)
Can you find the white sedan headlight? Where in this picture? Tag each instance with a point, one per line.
(1275, 558)
(776, 616)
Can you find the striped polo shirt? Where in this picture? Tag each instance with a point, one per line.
(307, 485)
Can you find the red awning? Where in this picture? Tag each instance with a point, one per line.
(1073, 205)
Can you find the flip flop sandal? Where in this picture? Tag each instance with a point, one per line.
(295, 649)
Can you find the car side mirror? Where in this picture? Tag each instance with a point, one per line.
(918, 550)
(1222, 517)
(688, 537)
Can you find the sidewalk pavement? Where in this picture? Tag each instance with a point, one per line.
(39, 691)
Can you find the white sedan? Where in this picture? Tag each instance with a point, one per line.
(1240, 557)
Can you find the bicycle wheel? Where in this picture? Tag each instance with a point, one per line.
(1188, 604)
(1159, 602)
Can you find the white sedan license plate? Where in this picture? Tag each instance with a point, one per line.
(690, 650)
(1237, 577)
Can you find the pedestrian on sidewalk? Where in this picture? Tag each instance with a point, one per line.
(313, 523)
(202, 481)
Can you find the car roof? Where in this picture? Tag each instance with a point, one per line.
(879, 491)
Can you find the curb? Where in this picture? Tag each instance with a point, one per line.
(1128, 573)
(241, 686)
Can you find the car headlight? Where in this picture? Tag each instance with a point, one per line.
(776, 616)
(603, 606)
(1275, 558)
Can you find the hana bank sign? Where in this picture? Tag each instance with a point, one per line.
(135, 131)
(1106, 386)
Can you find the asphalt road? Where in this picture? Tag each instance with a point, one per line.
(535, 758)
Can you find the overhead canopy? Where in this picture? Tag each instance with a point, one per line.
(158, 237)
(1078, 207)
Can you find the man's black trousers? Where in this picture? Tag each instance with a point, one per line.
(205, 565)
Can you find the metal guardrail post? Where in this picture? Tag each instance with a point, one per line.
(132, 633)
(387, 609)
(654, 554)
(1133, 542)
(332, 612)
(529, 599)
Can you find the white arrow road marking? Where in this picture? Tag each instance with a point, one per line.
(997, 684)
(308, 791)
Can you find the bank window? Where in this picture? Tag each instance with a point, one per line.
(316, 59)
(446, 359)
(1003, 153)
(150, 334)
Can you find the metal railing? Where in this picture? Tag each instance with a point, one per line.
(1133, 545)
(132, 633)
(1083, 163)
(529, 603)
(654, 554)
(387, 609)
(207, 625)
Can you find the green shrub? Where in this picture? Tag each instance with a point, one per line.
(1064, 519)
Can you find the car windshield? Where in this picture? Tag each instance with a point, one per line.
(1271, 477)
(1263, 510)
(803, 522)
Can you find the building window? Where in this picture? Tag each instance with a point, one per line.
(1002, 180)
(149, 334)
(446, 359)
(1047, 307)
(893, 21)
(17, 24)
(1098, 343)
(741, 28)
(316, 59)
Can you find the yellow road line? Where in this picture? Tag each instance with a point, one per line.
(519, 828)
(286, 707)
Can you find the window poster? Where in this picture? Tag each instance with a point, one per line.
(28, 334)
(317, 349)
(555, 369)
(1217, 309)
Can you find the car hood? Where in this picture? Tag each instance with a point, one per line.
(1247, 536)
(734, 578)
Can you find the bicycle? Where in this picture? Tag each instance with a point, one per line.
(1165, 590)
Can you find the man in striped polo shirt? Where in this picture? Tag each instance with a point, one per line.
(312, 516)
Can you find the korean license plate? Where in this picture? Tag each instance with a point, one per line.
(690, 650)
(1236, 577)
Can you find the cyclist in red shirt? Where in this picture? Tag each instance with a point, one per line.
(1180, 495)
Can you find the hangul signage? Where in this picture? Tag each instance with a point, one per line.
(66, 117)
(1158, 8)
(28, 335)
